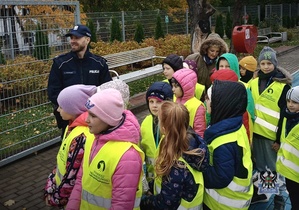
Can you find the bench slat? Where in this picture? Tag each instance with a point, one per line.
(130, 57)
(135, 75)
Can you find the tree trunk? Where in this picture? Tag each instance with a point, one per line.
(200, 12)
(237, 15)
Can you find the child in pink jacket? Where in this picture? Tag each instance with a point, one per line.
(183, 86)
(110, 175)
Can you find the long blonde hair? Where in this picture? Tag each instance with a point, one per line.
(174, 123)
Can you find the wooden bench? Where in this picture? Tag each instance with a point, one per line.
(129, 58)
(265, 35)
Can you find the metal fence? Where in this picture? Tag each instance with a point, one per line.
(26, 121)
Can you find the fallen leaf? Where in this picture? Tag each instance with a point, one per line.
(9, 203)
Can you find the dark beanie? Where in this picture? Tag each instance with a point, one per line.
(174, 61)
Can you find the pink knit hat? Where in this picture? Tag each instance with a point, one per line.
(107, 105)
(72, 99)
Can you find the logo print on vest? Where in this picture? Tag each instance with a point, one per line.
(102, 165)
(270, 91)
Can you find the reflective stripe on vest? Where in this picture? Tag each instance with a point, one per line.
(196, 203)
(231, 203)
(63, 152)
(103, 202)
(266, 108)
(192, 105)
(148, 145)
(287, 163)
(237, 195)
(98, 173)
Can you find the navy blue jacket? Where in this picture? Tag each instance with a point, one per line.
(67, 69)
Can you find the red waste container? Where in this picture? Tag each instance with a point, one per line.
(244, 38)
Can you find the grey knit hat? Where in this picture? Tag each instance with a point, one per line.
(269, 54)
(293, 94)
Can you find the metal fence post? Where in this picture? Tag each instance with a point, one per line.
(187, 21)
(9, 30)
(77, 13)
(123, 25)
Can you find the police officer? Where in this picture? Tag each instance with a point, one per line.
(79, 66)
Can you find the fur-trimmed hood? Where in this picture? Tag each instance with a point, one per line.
(213, 39)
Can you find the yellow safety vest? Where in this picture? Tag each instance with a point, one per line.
(192, 105)
(199, 90)
(196, 203)
(65, 147)
(267, 111)
(97, 175)
(288, 154)
(237, 195)
(149, 146)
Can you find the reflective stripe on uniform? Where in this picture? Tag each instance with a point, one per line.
(238, 188)
(227, 201)
(60, 176)
(265, 124)
(290, 149)
(267, 111)
(288, 163)
(101, 201)
(96, 200)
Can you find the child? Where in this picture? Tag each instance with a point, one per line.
(71, 107)
(269, 92)
(288, 154)
(227, 179)
(199, 88)
(110, 176)
(248, 66)
(178, 185)
(183, 85)
(230, 61)
(150, 129)
(171, 64)
(210, 50)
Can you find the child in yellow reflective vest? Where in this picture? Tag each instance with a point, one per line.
(110, 175)
(288, 154)
(178, 182)
(72, 108)
(150, 129)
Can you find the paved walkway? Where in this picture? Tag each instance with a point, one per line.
(22, 182)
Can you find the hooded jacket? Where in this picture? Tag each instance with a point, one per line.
(227, 108)
(187, 80)
(234, 65)
(205, 66)
(130, 164)
(180, 183)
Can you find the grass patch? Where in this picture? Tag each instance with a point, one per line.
(26, 128)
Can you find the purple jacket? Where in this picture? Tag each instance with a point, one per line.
(187, 79)
(127, 173)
